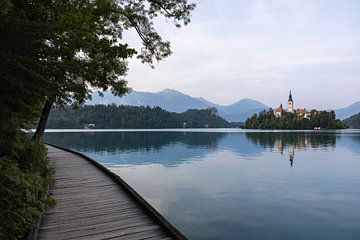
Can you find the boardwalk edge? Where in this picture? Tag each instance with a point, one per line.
(168, 227)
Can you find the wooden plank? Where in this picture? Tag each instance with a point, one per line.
(76, 230)
(123, 232)
(94, 220)
(93, 205)
(124, 214)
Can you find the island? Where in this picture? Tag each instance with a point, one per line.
(294, 119)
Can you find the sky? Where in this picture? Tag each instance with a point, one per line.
(260, 49)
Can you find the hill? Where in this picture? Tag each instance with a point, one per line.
(175, 101)
(113, 116)
(349, 111)
(353, 121)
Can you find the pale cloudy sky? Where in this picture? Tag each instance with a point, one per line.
(261, 49)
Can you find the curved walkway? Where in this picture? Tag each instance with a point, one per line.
(93, 205)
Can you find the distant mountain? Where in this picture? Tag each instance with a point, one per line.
(241, 110)
(168, 99)
(349, 111)
(353, 121)
(175, 101)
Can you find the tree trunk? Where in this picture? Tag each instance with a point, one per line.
(43, 120)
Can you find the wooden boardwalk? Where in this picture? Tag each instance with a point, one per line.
(92, 204)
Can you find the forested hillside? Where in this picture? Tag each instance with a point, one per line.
(112, 116)
(353, 121)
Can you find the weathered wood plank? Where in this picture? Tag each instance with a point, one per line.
(92, 205)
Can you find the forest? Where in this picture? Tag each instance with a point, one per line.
(318, 120)
(113, 116)
(353, 121)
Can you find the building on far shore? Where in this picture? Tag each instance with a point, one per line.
(301, 112)
(279, 111)
(290, 104)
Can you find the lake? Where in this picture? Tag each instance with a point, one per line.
(237, 184)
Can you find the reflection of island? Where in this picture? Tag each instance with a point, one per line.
(292, 141)
(174, 148)
(290, 148)
(291, 151)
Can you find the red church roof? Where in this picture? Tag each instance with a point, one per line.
(280, 109)
(302, 111)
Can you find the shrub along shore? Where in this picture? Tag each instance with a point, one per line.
(25, 177)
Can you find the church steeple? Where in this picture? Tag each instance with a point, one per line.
(290, 104)
(290, 97)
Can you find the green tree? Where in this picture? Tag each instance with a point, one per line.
(267, 120)
(22, 78)
(80, 45)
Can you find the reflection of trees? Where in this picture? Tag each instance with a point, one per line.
(299, 140)
(356, 138)
(130, 141)
(292, 141)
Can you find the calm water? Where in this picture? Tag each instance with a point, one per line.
(238, 185)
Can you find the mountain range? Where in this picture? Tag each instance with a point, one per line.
(175, 101)
(349, 111)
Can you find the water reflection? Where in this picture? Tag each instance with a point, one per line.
(174, 148)
(138, 148)
(233, 185)
(293, 141)
(299, 140)
(113, 142)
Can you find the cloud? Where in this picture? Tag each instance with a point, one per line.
(260, 49)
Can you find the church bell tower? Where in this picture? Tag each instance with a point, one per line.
(290, 104)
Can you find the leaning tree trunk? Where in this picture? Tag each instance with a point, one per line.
(43, 120)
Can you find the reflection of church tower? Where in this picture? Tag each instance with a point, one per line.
(291, 154)
(280, 146)
(290, 104)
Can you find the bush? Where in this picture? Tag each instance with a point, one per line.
(24, 181)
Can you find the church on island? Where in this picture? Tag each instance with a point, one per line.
(301, 112)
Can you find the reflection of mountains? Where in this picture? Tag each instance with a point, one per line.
(350, 141)
(130, 141)
(167, 148)
(174, 148)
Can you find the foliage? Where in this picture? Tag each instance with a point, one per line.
(112, 116)
(267, 120)
(85, 47)
(24, 180)
(353, 121)
(22, 73)
(58, 52)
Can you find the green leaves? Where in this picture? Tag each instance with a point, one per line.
(86, 48)
(140, 14)
(59, 51)
(24, 180)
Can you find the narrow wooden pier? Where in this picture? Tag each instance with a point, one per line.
(93, 203)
